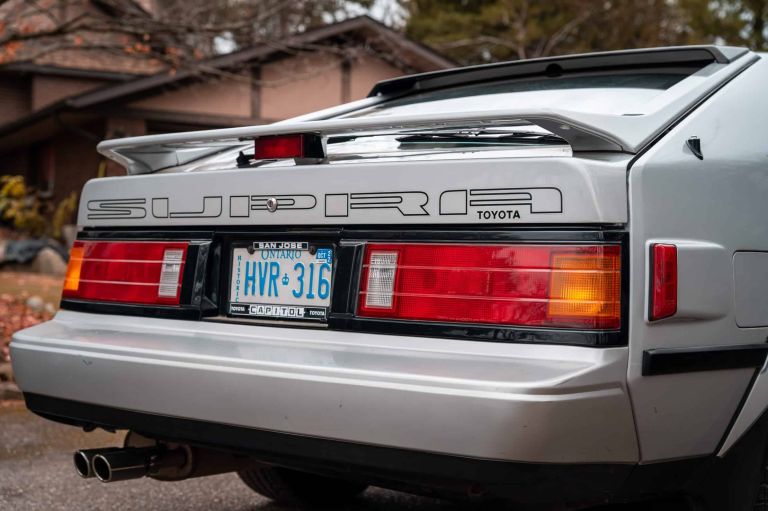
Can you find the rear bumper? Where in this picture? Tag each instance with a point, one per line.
(494, 402)
(409, 470)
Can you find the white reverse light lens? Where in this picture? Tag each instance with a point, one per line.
(170, 273)
(381, 279)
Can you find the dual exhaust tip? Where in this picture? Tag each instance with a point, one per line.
(112, 464)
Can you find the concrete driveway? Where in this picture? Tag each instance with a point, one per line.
(36, 473)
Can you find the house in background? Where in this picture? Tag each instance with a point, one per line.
(53, 112)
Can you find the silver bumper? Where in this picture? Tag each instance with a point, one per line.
(518, 402)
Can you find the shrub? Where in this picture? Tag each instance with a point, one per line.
(24, 211)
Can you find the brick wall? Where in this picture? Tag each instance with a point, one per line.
(76, 161)
(222, 97)
(49, 89)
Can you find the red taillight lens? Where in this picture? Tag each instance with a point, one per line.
(281, 146)
(663, 281)
(297, 145)
(141, 272)
(527, 285)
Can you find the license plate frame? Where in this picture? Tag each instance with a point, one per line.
(263, 300)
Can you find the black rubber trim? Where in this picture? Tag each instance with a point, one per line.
(524, 482)
(129, 309)
(478, 332)
(134, 234)
(705, 358)
(571, 232)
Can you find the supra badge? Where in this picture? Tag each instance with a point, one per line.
(484, 204)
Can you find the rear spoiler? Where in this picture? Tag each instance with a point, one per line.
(146, 154)
(585, 132)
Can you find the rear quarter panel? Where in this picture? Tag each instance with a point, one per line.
(710, 208)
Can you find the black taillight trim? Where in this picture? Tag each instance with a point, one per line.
(348, 321)
(193, 303)
(127, 309)
(349, 244)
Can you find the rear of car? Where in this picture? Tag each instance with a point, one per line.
(446, 288)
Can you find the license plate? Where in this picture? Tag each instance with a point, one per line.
(281, 280)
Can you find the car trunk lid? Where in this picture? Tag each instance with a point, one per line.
(506, 191)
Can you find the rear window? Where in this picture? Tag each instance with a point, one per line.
(617, 92)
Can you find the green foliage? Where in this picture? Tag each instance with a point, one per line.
(22, 210)
(475, 31)
(63, 215)
(735, 22)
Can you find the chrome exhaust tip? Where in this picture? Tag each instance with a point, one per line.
(123, 464)
(83, 460)
(159, 461)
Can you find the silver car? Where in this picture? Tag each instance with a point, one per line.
(543, 282)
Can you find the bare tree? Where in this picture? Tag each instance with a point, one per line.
(171, 34)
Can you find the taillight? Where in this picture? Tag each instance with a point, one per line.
(140, 272)
(568, 286)
(298, 145)
(663, 291)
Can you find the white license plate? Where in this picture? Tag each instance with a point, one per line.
(282, 280)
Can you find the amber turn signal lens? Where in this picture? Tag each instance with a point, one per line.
(586, 285)
(72, 278)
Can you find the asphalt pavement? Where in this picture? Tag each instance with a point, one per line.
(36, 473)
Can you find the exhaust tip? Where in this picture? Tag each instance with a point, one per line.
(101, 469)
(82, 464)
(123, 464)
